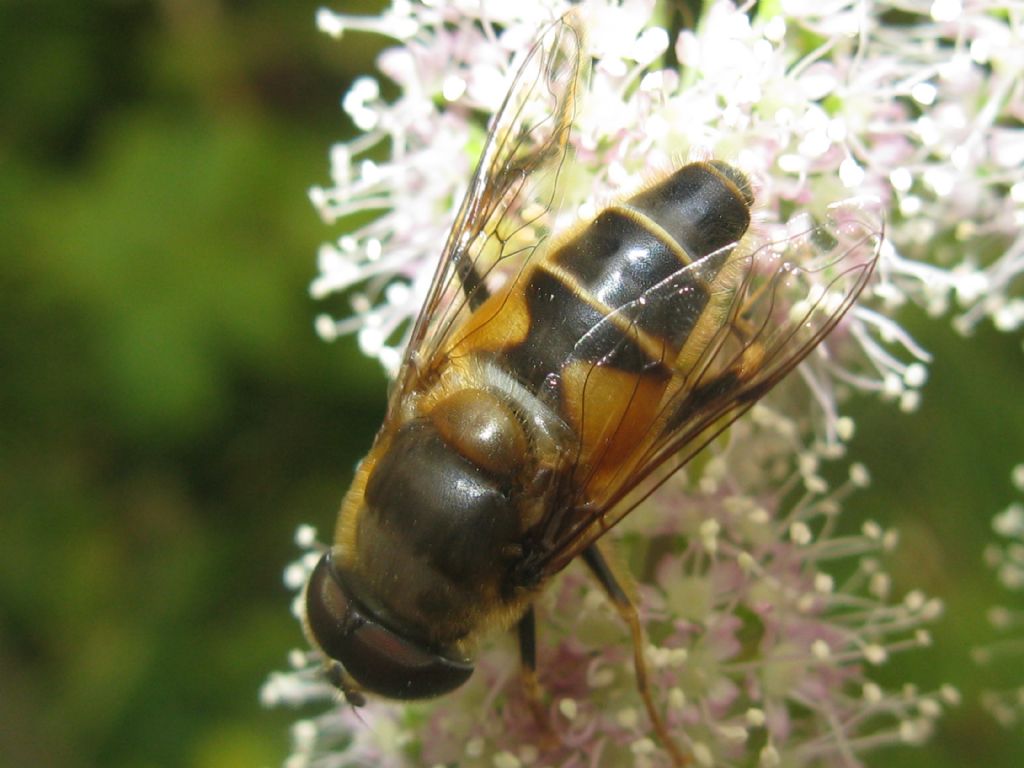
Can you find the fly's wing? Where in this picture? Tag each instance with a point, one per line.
(507, 208)
(769, 308)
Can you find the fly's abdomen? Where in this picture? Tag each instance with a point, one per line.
(597, 326)
(636, 259)
(626, 292)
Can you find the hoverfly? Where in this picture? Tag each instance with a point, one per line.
(550, 384)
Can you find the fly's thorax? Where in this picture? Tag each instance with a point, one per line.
(435, 522)
(426, 539)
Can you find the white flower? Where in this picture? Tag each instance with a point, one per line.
(924, 115)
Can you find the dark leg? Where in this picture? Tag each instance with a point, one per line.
(597, 563)
(526, 632)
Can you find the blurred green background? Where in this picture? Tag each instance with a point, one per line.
(169, 417)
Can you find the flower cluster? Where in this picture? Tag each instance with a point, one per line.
(765, 617)
(816, 101)
(1007, 560)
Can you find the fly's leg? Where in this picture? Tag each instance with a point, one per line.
(526, 633)
(599, 566)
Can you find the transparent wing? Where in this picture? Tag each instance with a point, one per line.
(771, 306)
(507, 209)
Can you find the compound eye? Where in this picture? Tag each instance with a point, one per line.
(379, 659)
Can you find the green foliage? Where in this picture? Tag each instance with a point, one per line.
(169, 415)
